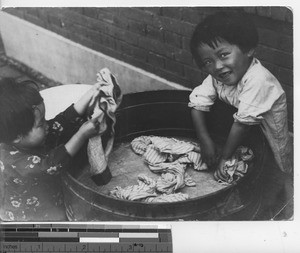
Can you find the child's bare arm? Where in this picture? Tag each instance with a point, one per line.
(237, 134)
(81, 105)
(208, 149)
(87, 130)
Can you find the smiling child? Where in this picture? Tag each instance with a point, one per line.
(223, 46)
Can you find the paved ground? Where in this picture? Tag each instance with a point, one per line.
(277, 197)
(13, 69)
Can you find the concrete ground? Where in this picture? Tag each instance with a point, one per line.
(13, 69)
(277, 197)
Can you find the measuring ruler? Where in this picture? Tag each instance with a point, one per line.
(85, 238)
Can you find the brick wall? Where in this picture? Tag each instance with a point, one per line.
(156, 39)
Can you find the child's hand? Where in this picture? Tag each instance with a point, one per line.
(209, 153)
(86, 131)
(96, 87)
(89, 129)
(81, 105)
(220, 173)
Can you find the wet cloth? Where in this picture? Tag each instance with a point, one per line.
(146, 191)
(260, 99)
(236, 167)
(169, 157)
(174, 197)
(173, 177)
(157, 150)
(30, 185)
(102, 107)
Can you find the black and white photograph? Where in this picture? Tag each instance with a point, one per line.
(147, 114)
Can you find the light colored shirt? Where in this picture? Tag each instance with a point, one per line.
(259, 99)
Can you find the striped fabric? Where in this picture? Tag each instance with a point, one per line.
(168, 197)
(157, 150)
(195, 159)
(140, 144)
(172, 179)
(173, 176)
(171, 145)
(237, 167)
(169, 157)
(146, 188)
(153, 156)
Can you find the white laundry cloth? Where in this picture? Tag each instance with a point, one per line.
(237, 166)
(103, 106)
(157, 150)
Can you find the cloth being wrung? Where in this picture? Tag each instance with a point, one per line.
(237, 166)
(102, 107)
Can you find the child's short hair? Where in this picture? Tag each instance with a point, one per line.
(234, 27)
(17, 100)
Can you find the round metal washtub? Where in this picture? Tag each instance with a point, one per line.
(165, 113)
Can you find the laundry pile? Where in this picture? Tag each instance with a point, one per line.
(146, 191)
(159, 151)
(168, 157)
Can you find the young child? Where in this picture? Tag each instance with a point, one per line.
(223, 46)
(34, 151)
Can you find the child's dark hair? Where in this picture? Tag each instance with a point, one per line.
(232, 26)
(17, 100)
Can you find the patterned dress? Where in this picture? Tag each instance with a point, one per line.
(30, 183)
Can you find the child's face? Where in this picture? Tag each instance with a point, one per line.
(36, 137)
(226, 62)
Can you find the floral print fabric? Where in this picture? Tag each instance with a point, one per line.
(30, 186)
